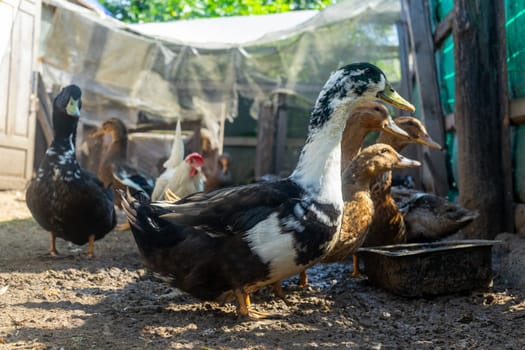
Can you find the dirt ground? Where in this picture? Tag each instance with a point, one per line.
(110, 302)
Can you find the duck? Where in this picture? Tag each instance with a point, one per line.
(364, 119)
(359, 207)
(64, 199)
(429, 217)
(388, 224)
(221, 175)
(225, 244)
(114, 168)
(182, 176)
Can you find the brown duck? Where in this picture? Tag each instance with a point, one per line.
(114, 168)
(429, 217)
(388, 226)
(358, 205)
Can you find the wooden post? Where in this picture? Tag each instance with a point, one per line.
(404, 54)
(265, 137)
(281, 130)
(482, 115)
(44, 113)
(431, 113)
(413, 151)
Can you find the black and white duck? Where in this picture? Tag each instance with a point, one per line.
(232, 241)
(114, 168)
(64, 199)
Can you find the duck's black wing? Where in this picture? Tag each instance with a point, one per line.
(128, 176)
(234, 210)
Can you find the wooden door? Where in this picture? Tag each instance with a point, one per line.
(19, 27)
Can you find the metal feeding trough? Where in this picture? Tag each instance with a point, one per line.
(428, 269)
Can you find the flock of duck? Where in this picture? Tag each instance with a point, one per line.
(225, 244)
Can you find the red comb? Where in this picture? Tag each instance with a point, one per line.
(195, 156)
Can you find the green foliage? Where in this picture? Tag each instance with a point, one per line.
(166, 10)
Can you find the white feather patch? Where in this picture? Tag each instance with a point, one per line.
(273, 247)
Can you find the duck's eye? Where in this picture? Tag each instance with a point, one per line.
(410, 123)
(377, 109)
(384, 150)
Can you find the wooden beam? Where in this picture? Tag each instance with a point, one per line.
(450, 122)
(482, 116)
(240, 141)
(417, 13)
(404, 54)
(517, 111)
(265, 137)
(280, 133)
(443, 29)
(45, 110)
(406, 91)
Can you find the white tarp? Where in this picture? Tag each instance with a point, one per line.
(169, 70)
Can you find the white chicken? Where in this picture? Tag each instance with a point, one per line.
(182, 175)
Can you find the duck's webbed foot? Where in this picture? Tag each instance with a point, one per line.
(245, 311)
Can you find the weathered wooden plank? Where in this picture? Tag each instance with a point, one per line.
(44, 113)
(404, 53)
(517, 111)
(280, 133)
(265, 137)
(450, 122)
(235, 141)
(482, 116)
(406, 91)
(417, 12)
(20, 27)
(242, 141)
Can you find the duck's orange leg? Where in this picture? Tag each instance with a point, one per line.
(356, 272)
(91, 247)
(303, 279)
(52, 247)
(243, 309)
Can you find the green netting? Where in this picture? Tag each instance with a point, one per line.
(515, 14)
(445, 69)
